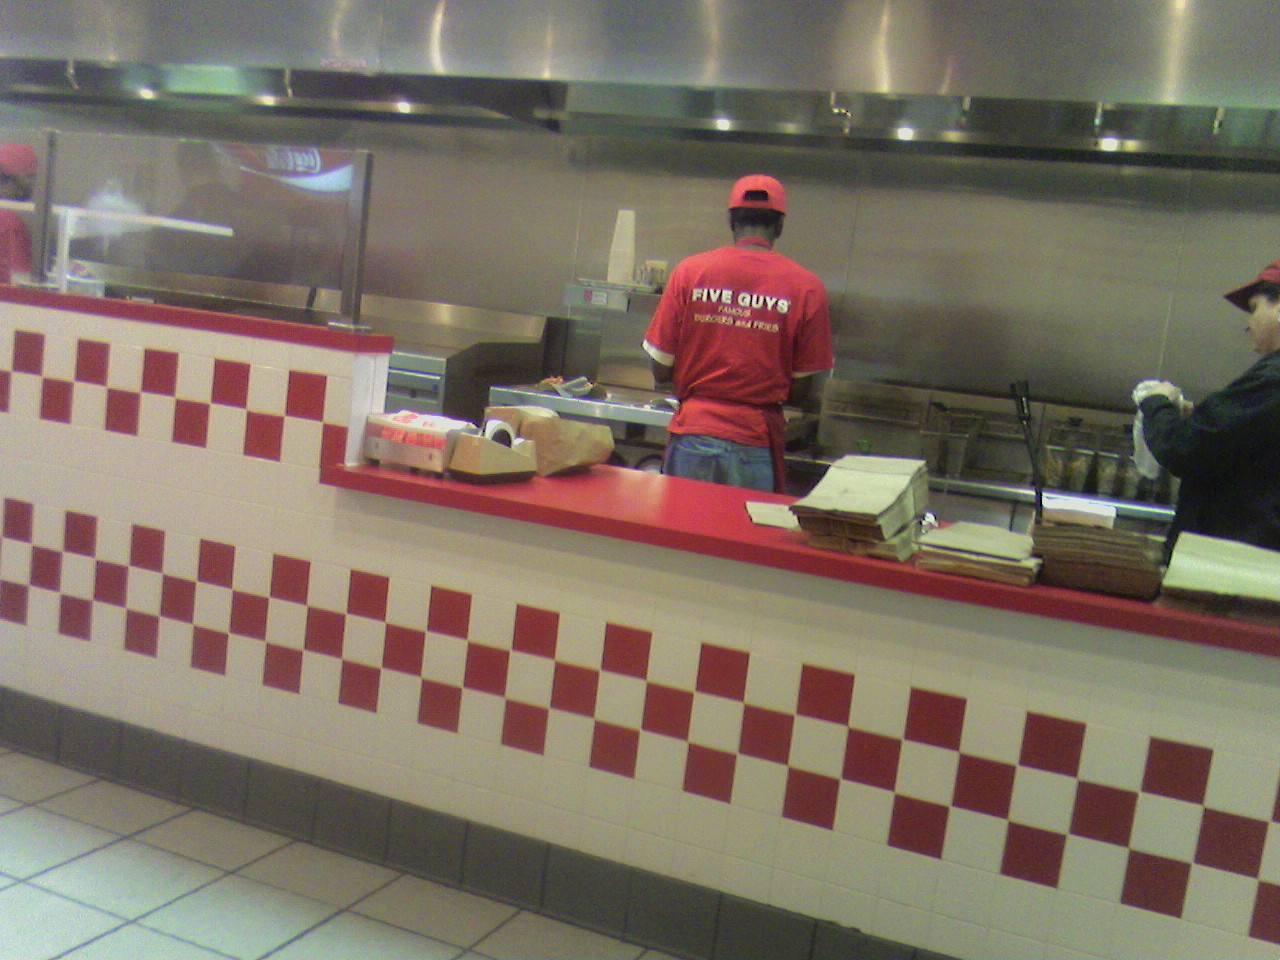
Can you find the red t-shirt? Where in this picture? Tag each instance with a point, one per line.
(736, 324)
(15, 246)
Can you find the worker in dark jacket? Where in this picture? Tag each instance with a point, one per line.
(1226, 448)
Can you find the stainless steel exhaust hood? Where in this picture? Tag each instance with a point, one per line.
(1179, 79)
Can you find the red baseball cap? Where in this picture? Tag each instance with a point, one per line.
(758, 190)
(1270, 274)
(18, 159)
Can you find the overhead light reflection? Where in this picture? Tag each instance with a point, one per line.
(404, 106)
(146, 93)
(1110, 144)
(905, 133)
(723, 123)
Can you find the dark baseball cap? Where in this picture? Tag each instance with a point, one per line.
(1270, 274)
(760, 191)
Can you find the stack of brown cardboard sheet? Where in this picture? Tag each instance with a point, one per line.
(1119, 562)
(979, 550)
(866, 505)
(1223, 577)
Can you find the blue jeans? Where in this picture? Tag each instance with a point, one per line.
(700, 457)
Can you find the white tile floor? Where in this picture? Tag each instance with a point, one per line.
(95, 871)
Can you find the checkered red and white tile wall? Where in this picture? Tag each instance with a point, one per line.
(904, 807)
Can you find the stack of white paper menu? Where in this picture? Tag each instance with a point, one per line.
(866, 505)
(1224, 576)
(979, 550)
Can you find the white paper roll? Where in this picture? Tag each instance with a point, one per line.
(622, 254)
(499, 431)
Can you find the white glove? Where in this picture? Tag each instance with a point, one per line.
(1143, 459)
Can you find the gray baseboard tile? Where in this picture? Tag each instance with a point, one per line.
(89, 743)
(151, 761)
(833, 942)
(351, 821)
(504, 866)
(214, 780)
(426, 843)
(755, 931)
(280, 799)
(31, 724)
(672, 915)
(587, 891)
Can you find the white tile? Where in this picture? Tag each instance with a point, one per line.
(34, 923)
(1216, 898)
(212, 840)
(716, 722)
(818, 746)
(620, 700)
(927, 772)
(127, 878)
(433, 910)
(33, 840)
(1242, 785)
(880, 706)
(139, 943)
(1093, 869)
(1168, 828)
(350, 935)
(530, 937)
(113, 807)
(29, 779)
(319, 874)
(239, 917)
(1042, 799)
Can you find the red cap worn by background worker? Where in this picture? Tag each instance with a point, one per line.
(18, 159)
(1270, 274)
(760, 191)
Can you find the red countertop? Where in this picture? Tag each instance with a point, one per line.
(712, 520)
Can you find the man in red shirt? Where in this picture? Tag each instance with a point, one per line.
(739, 331)
(17, 177)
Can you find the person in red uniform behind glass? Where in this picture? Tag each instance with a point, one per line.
(739, 331)
(17, 180)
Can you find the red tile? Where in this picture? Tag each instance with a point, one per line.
(249, 615)
(178, 599)
(667, 711)
(333, 444)
(709, 773)
(722, 672)
(367, 595)
(935, 718)
(146, 549)
(536, 631)
(574, 689)
(766, 734)
(1033, 854)
(160, 372)
(217, 563)
(141, 633)
(524, 727)
(209, 650)
(75, 617)
(1177, 770)
(450, 613)
(614, 749)
(55, 401)
(440, 706)
(871, 759)
(825, 694)
(305, 398)
(230, 383)
(91, 361)
(326, 631)
(1266, 914)
(1104, 813)
(13, 602)
(46, 568)
(264, 436)
(191, 423)
(80, 534)
(811, 798)
(290, 578)
(111, 583)
(402, 649)
(918, 826)
(6, 390)
(486, 669)
(19, 520)
(28, 352)
(1232, 843)
(282, 668)
(1156, 884)
(358, 686)
(984, 786)
(123, 412)
(626, 650)
(1052, 744)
